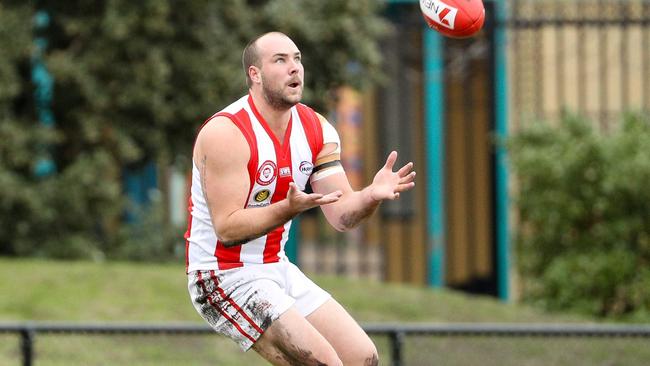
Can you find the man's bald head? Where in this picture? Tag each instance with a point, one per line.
(252, 55)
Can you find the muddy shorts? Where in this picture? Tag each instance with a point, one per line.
(242, 303)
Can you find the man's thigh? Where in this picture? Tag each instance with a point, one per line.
(350, 341)
(240, 304)
(292, 340)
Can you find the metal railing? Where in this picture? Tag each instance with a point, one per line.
(396, 332)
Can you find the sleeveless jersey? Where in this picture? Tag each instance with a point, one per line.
(272, 166)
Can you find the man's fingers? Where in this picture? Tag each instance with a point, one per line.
(392, 196)
(404, 187)
(407, 179)
(405, 169)
(336, 194)
(326, 201)
(292, 189)
(323, 199)
(390, 161)
(330, 198)
(312, 199)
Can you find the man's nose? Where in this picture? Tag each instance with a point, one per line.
(294, 67)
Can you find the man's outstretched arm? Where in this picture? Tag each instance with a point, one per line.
(354, 206)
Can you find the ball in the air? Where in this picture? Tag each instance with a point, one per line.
(454, 18)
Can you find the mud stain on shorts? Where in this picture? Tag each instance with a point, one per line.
(261, 310)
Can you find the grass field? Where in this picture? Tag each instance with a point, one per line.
(82, 292)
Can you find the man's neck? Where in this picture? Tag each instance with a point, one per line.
(276, 119)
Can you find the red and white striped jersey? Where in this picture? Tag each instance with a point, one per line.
(272, 166)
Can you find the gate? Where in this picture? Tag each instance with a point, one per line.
(589, 57)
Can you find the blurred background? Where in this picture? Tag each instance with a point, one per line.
(531, 141)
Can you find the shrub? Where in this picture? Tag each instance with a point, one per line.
(149, 237)
(583, 238)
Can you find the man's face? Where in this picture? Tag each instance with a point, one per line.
(282, 73)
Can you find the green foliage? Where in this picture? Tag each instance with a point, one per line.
(53, 216)
(140, 77)
(149, 237)
(132, 82)
(583, 240)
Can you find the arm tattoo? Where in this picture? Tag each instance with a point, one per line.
(204, 180)
(354, 218)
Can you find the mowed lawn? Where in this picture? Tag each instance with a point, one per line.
(85, 292)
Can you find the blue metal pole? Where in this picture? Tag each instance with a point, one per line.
(43, 91)
(291, 248)
(138, 185)
(434, 102)
(502, 175)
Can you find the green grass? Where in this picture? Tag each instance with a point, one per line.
(81, 292)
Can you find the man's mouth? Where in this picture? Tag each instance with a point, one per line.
(294, 84)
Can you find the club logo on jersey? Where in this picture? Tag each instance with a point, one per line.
(306, 167)
(439, 12)
(266, 173)
(285, 171)
(262, 195)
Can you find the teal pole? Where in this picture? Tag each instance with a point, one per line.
(291, 248)
(43, 85)
(435, 153)
(502, 175)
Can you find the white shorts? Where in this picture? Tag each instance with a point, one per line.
(241, 303)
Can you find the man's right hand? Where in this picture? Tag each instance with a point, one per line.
(300, 201)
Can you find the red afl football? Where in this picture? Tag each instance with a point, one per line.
(454, 18)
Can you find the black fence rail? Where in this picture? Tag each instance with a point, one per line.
(396, 332)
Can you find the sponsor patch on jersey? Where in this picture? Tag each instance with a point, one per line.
(266, 173)
(306, 167)
(262, 195)
(285, 171)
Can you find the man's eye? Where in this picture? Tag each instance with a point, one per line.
(280, 60)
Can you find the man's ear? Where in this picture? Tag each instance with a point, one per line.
(254, 74)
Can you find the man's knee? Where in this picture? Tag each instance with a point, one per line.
(283, 354)
(323, 357)
(364, 355)
(285, 343)
(371, 357)
(331, 360)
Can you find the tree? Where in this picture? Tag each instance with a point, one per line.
(133, 82)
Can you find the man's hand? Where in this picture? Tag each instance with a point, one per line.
(387, 184)
(300, 201)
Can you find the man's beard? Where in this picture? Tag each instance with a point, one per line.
(276, 99)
